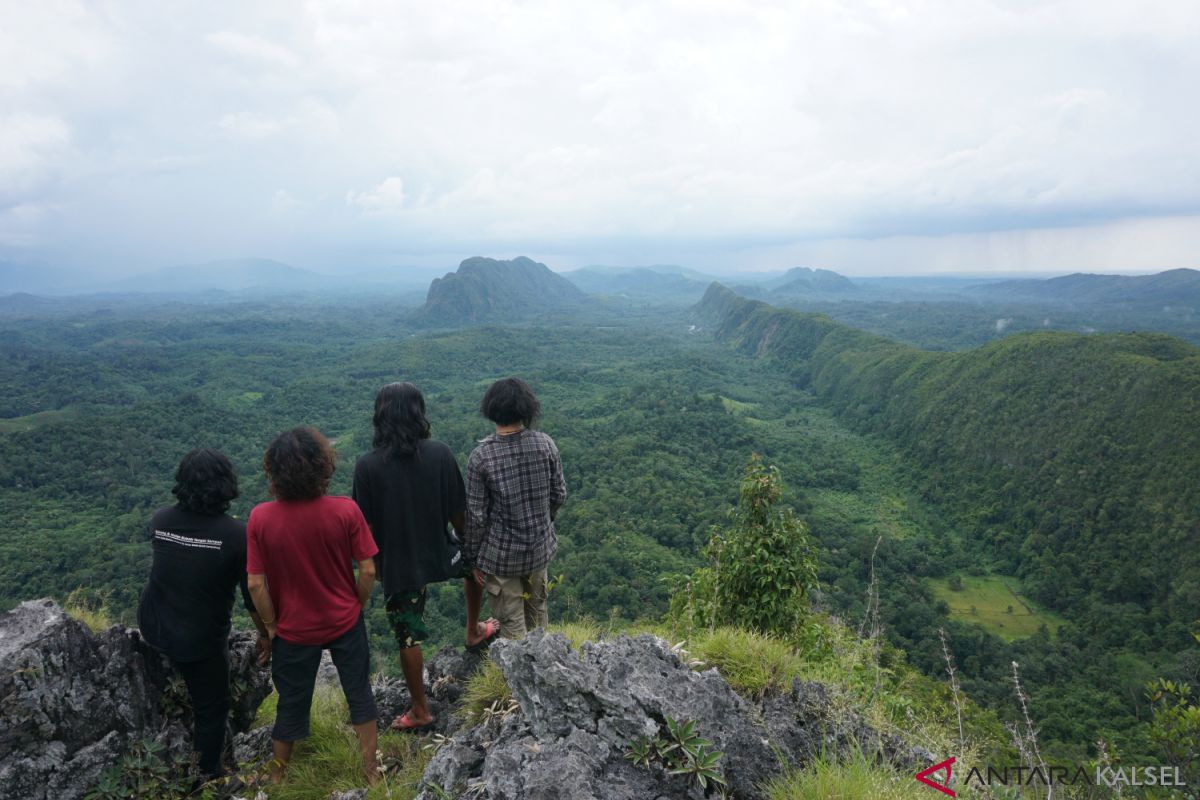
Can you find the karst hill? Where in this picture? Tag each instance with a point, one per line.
(486, 290)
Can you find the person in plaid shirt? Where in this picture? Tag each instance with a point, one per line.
(515, 488)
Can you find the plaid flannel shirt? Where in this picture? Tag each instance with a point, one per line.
(514, 488)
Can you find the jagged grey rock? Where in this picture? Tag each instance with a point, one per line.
(579, 712)
(807, 723)
(253, 746)
(73, 701)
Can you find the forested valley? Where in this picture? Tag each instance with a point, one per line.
(1056, 470)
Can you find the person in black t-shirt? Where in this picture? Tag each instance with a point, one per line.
(410, 489)
(185, 610)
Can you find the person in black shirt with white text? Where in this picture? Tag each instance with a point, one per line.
(186, 608)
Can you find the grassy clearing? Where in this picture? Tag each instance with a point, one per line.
(242, 401)
(737, 406)
(854, 779)
(31, 421)
(992, 601)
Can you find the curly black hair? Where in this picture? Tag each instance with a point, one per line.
(509, 401)
(205, 482)
(400, 422)
(299, 464)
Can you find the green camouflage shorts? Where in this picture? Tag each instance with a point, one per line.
(406, 611)
(406, 615)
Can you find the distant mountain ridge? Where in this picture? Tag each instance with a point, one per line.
(807, 279)
(1173, 287)
(229, 275)
(643, 283)
(488, 290)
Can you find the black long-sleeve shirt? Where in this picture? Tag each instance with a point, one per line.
(187, 606)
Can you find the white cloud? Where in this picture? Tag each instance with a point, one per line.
(29, 147)
(249, 125)
(758, 126)
(254, 48)
(283, 203)
(20, 224)
(385, 199)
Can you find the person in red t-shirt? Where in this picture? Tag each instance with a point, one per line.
(299, 554)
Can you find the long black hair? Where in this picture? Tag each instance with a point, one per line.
(400, 422)
(205, 482)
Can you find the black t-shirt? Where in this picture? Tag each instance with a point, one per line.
(185, 609)
(408, 503)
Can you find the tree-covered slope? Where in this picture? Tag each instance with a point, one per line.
(1070, 459)
(1179, 287)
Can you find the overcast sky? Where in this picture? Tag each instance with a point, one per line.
(866, 137)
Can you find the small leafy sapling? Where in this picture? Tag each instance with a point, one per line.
(682, 752)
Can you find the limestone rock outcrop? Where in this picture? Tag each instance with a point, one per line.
(72, 702)
(581, 711)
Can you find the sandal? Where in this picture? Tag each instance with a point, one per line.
(403, 724)
(492, 626)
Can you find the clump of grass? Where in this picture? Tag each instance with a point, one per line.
(486, 690)
(92, 610)
(578, 632)
(752, 663)
(266, 711)
(329, 760)
(855, 778)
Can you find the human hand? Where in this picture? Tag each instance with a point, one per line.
(263, 647)
(479, 577)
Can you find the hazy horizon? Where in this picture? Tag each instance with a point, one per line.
(922, 138)
(410, 277)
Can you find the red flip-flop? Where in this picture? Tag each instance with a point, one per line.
(403, 724)
(492, 626)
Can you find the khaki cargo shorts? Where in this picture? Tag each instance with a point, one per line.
(519, 603)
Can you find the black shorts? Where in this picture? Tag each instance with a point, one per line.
(294, 671)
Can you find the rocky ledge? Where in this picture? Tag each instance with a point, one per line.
(72, 702)
(579, 713)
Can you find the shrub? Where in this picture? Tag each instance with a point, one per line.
(1176, 726)
(762, 565)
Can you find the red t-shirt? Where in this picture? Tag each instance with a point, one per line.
(305, 548)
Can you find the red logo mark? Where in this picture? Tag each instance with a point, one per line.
(943, 786)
